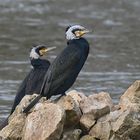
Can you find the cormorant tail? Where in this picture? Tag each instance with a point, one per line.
(4, 123)
(32, 103)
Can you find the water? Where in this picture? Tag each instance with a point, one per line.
(113, 62)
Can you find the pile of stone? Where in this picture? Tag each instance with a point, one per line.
(78, 117)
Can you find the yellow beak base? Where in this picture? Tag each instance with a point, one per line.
(81, 33)
(45, 50)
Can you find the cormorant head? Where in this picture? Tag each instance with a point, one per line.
(39, 51)
(75, 32)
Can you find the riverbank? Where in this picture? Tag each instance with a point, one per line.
(78, 117)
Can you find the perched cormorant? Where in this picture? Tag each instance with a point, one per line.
(33, 81)
(64, 70)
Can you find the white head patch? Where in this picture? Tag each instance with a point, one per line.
(70, 35)
(33, 54)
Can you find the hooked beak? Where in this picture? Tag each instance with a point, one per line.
(81, 33)
(49, 49)
(44, 51)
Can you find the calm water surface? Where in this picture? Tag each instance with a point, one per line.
(113, 63)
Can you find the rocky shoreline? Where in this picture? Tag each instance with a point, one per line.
(78, 117)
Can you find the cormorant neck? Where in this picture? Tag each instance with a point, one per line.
(75, 39)
(39, 63)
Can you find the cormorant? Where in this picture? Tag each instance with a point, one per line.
(65, 68)
(33, 81)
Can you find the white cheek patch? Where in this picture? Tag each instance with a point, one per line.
(33, 54)
(70, 35)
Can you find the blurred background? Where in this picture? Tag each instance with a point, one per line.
(113, 63)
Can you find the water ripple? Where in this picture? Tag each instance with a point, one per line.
(14, 62)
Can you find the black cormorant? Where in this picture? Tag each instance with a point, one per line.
(64, 70)
(33, 81)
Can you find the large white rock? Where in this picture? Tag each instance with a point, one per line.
(77, 96)
(96, 102)
(16, 121)
(45, 123)
(126, 126)
(73, 112)
(124, 122)
(131, 98)
(94, 107)
(101, 130)
(13, 131)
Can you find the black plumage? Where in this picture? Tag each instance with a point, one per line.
(33, 81)
(64, 70)
(66, 67)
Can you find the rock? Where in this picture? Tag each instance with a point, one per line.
(73, 112)
(94, 107)
(118, 125)
(60, 119)
(87, 121)
(13, 131)
(16, 121)
(77, 96)
(118, 138)
(72, 134)
(127, 126)
(46, 123)
(115, 107)
(24, 103)
(96, 102)
(87, 137)
(131, 98)
(101, 130)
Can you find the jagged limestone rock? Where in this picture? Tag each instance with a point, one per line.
(94, 107)
(127, 126)
(13, 131)
(73, 112)
(101, 130)
(131, 98)
(77, 96)
(96, 102)
(46, 123)
(59, 120)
